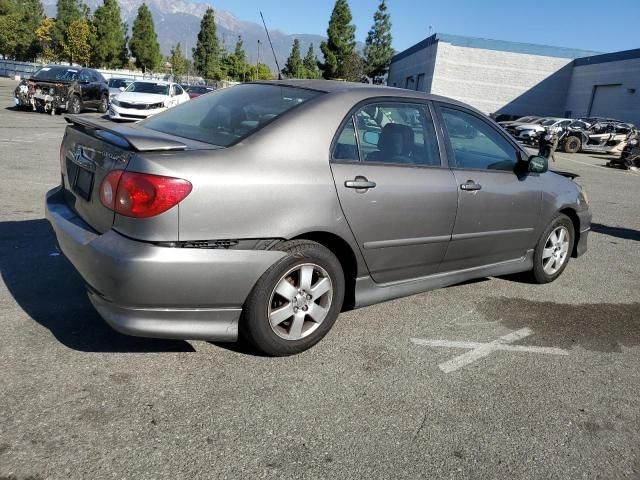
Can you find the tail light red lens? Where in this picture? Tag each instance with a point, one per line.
(141, 195)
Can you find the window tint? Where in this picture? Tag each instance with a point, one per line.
(476, 144)
(346, 147)
(179, 90)
(85, 76)
(228, 115)
(397, 133)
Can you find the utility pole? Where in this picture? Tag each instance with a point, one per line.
(258, 62)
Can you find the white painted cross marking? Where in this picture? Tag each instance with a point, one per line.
(479, 350)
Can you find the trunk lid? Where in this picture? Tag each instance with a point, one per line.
(91, 149)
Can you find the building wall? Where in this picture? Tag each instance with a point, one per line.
(421, 62)
(589, 73)
(522, 79)
(502, 82)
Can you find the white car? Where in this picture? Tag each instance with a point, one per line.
(144, 98)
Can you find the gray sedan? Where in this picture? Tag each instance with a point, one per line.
(266, 209)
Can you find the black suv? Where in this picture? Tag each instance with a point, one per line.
(56, 87)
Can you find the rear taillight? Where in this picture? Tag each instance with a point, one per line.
(141, 195)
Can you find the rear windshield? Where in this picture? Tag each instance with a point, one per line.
(227, 115)
(148, 87)
(56, 73)
(118, 82)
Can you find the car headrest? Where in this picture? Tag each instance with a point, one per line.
(396, 139)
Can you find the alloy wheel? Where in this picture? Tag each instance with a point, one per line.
(300, 301)
(556, 250)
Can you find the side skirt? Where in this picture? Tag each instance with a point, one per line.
(368, 292)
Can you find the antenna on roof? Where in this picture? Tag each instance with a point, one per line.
(272, 50)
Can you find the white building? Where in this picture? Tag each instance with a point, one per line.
(522, 79)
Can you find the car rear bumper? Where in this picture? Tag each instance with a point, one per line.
(153, 291)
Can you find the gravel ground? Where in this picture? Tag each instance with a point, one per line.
(78, 400)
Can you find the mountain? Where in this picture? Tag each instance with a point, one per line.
(179, 21)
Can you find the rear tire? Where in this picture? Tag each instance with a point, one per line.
(104, 104)
(572, 145)
(296, 301)
(553, 250)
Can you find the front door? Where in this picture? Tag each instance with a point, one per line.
(398, 198)
(498, 206)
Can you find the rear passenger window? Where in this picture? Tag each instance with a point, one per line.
(346, 147)
(397, 133)
(476, 144)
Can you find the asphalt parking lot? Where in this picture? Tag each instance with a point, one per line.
(384, 395)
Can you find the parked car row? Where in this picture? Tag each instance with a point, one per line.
(588, 134)
(58, 88)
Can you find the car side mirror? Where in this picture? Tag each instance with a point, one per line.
(538, 164)
(371, 138)
(121, 89)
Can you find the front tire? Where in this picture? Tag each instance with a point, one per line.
(296, 301)
(553, 250)
(75, 106)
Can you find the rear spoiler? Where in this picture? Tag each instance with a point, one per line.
(566, 174)
(141, 140)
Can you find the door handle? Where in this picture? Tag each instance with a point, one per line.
(359, 183)
(470, 186)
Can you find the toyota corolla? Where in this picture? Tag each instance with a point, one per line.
(266, 209)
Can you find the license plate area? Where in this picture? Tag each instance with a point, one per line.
(80, 180)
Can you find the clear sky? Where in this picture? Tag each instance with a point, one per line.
(599, 25)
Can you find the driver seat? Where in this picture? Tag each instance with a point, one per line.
(395, 145)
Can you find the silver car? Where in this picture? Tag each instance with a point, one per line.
(266, 209)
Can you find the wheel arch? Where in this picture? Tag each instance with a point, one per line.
(575, 220)
(346, 256)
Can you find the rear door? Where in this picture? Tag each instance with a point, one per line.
(87, 87)
(498, 207)
(398, 197)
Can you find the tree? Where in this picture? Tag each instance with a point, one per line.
(77, 45)
(30, 14)
(263, 72)
(294, 67)
(144, 44)
(9, 20)
(44, 37)
(68, 11)
(354, 68)
(178, 63)
(206, 55)
(110, 37)
(310, 64)
(238, 66)
(18, 23)
(341, 41)
(378, 51)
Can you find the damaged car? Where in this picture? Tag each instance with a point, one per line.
(597, 135)
(56, 88)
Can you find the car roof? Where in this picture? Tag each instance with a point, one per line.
(364, 90)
